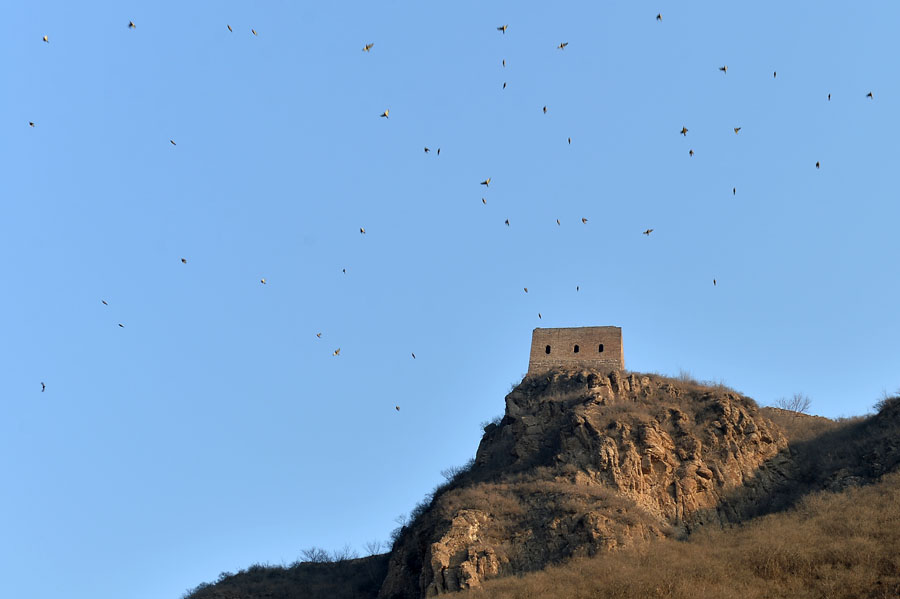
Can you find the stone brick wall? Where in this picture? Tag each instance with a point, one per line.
(562, 344)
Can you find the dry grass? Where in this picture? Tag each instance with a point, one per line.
(830, 545)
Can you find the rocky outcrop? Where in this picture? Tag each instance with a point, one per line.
(584, 463)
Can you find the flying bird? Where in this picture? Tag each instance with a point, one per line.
(583, 221)
(439, 152)
(684, 131)
(562, 46)
(724, 69)
(486, 182)
(570, 141)
(104, 302)
(484, 201)
(229, 28)
(43, 387)
(413, 355)
(691, 152)
(647, 232)
(774, 74)
(344, 270)
(263, 281)
(253, 31)
(184, 260)
(397, 408)
(318, 335)
(31, 124)
(734, 191)
(368, 47)
(659, 16)
(46, 39)
(337, 352)
(131, 24)
(385, 114)
(545, 110)
(503, 29)
(736, 129)
(426, 149)
(539, 315)
(507, 222)
(714, 282)
(504, 85)
(577, 288)
(817, 164)
(171, 141)
(362, 230)
(869, 95)
(557, 222)
(121, 326)
(829, 97)
(526, 289)
(503, 62)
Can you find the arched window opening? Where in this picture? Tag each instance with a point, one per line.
(576, 349)
(547, 350)
(601, 349)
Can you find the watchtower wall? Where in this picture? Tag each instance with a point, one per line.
(594, 348)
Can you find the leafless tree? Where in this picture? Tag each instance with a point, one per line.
(797, 403)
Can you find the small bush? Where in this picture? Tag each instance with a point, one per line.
(797, 403)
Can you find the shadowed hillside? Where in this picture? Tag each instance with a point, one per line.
(588, 476)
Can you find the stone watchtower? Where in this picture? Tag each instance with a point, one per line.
(593, 348)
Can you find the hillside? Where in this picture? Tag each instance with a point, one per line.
(585, 468)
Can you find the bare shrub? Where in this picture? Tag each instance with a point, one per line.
(315, 555)
(452, 473)
(344, 554)
(887, 399)
(373, 547)
(797, 403)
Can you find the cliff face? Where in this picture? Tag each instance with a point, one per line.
(584, 463)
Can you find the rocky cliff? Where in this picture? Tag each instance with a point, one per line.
(583, 463)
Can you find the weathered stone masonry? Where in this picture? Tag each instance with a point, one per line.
(595, 348)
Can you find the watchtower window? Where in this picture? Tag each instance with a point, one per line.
(600, 351)
(576, 349)
(547, 350)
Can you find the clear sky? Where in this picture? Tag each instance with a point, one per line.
(215, 430)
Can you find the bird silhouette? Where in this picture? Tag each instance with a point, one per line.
(229, 28)
(562, 46)
(484, 201)
(570, 141)
(736, 129)
(103, 302)
(503, 29)
(385, 114)
(171, 141)
(43, 387)
(426, 149)
(539, 315)
(817, 164)
(31, 124)
(684, 131)
(131, 24)
(344, 270)
(368, 47)
(691, 152)
(724, 69)
(337, 352)
(263, 281)
(869, 95)
(486, 182)
(504, 85)
(362, 231)
(557, 222)
(583, 221)
(714, 282)
(734, 191)
(577, 288)
(503, 62)
(774, 74)
(318, 335)
(121, 326)
(46, 39)
(439, 152)
(659, 16)
(184, 260)
(829, 97)
(253, 31)
(507, 222)
(397, 408)
(413, 355)
(647, 232)
(545, 110)
(526, 289)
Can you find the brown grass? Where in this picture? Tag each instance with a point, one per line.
(839, 546)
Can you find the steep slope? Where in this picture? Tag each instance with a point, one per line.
(584, 463)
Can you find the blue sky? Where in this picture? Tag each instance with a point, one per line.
(215, 430)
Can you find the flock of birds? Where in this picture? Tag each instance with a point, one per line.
(486, 182)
